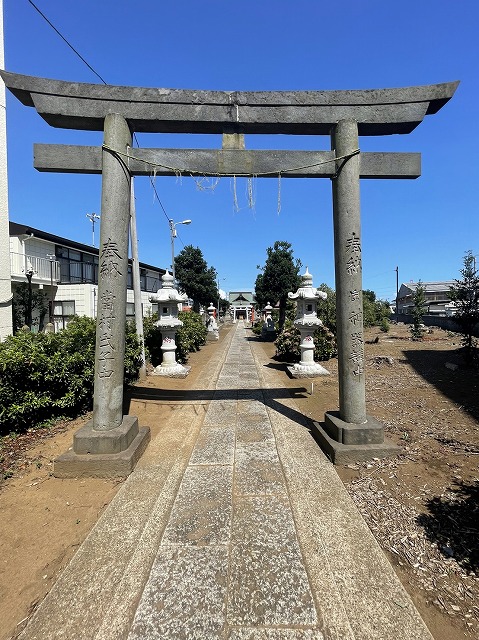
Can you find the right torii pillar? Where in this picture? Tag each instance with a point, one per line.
(349, 434)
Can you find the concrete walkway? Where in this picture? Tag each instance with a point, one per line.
(234, 526)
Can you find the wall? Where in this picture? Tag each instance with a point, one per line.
(443, 322)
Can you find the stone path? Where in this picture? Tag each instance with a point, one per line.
(229, 560)
(234, 526)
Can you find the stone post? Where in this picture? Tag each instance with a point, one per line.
(110, 444)
(348, 271)
(112, 276)
(349, 435)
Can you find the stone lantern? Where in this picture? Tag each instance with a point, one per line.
(307, 322)
(268, 332)
(168, 299)
(211, 324)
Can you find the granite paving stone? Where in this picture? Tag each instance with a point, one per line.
(185, 596)
(257, 469)
(201, 513)
(253, 430)
(263, 633)
(268, 581)
(221, 412)
(215, 445)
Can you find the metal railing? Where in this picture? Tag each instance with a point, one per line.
(42, 268)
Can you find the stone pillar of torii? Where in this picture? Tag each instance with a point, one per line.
(103, 446)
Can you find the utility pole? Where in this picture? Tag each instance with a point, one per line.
(136, 282)
(397, 289)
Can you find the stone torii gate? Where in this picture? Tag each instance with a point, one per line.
(112, 443)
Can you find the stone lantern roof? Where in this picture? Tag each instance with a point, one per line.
(168, 293)
(306, 290)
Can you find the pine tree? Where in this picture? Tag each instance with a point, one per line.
(280, 275)
(419, 309)
(195, 278)
(465, 294)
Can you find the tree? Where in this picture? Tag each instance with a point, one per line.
(327, 308)
(280, 275)
(419, 309)
(195, 278)
(25, 301)
(465, 293)
(374, 311)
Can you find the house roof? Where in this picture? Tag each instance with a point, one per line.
(429, 287)
(17, 229)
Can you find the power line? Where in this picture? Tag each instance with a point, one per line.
(66, 41)
(98, 76)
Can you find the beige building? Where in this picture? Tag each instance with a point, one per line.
(67, 271)
(436, 294)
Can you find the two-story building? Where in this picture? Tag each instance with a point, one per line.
(436, 294)
(67, 271)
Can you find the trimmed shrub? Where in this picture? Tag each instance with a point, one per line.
(288, 344)
(190, 337)
(47, 376)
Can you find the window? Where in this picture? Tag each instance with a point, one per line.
(130, 310)
(76, 266)
(63, 311)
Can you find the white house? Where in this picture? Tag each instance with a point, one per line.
(67, 271)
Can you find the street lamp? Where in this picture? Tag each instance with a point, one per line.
(173, 236)
(93, 217)
(29, 272)
(51, 257)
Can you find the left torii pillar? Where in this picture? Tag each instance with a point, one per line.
(110, 444)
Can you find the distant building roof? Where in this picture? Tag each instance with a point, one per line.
(241, 297)
(430, 287)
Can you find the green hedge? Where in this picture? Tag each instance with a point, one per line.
(47, 376)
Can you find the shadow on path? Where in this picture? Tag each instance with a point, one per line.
(269, 397)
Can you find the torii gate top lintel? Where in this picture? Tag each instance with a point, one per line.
(75, 105)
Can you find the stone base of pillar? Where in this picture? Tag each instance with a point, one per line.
(176, 371)
(307, 371)
(346, 443)
(103, 454)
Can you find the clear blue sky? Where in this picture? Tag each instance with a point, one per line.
(423, 226)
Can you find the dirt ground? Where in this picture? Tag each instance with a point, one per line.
(422, 506)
